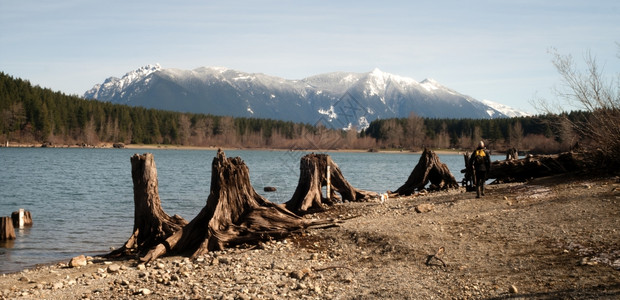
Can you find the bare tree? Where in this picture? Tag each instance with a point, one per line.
(90, 132)
(393, 133)
(415, 131)
(443, 140)
(589, 90)
(185, 128)
(476, 137)
(516, 135)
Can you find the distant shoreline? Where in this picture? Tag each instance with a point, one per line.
(181, 147)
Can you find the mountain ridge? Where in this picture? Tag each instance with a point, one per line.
(336, 99)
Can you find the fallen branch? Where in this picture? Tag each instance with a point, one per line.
(436, 256)
(330, 268)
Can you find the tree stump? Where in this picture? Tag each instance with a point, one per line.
(151, 224)
(512, 154)
(21, 218)
(313, 177)
(234, 214)
(429, 169)
(469, 181)
(7, 231)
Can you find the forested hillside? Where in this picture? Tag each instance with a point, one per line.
(36, 115)
(540, 134)
(33, 115)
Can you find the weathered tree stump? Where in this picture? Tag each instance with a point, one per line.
(7, 231)
(151, 224)
(234, 214)
(21, 218)
(512, 154)
(429, 169)
(313, 176)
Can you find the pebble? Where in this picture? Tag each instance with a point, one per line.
(144, 291)
(513, 289)
(299, 274)
(424, 207)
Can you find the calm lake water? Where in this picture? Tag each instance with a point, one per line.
(81, 200)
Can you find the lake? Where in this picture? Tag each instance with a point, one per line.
(81, 200)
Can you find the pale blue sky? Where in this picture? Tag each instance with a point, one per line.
(494, 50)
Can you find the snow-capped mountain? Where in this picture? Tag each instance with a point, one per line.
(338, 99)
(115, 87)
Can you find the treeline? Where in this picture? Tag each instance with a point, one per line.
(539, 134)
(30, 114)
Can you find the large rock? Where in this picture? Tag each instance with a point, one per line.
(78, 261)
(114, 268)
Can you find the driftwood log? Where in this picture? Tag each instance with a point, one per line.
(234, 214)
(313, 176)
(534, 166)
(151, 224)
(429, 169)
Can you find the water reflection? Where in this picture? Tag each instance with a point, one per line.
(6, 244)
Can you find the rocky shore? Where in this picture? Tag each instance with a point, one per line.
(550, 238)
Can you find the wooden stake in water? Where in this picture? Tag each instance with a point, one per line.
(329, 184)
(7, 231)
(21, 218)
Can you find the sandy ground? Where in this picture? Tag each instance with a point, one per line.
(551, 238)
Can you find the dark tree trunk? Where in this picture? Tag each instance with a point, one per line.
(429, 169)
(234, 214)
(151, 224)
(469, 181)
(313, 177)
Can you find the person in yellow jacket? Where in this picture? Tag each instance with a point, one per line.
(480, 162)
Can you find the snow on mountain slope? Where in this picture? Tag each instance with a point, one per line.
(505, 110)
(114, 86)
(342, 99)
(335, 83)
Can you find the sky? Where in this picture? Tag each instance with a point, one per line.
(493, 50)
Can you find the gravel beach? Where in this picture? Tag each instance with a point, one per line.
(550, 238)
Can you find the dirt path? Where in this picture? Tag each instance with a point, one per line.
(551, 238)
